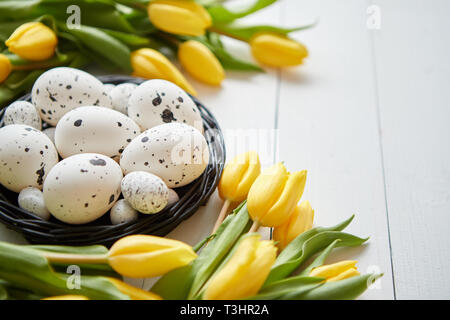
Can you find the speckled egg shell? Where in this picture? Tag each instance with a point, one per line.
(155, 102)
(120, 95)
(94, 130)
(123, 212)
(50, 133)
(26, 156)
(32, 200)
(145, 192)
(82, 188)
(59, 90)
(108, 87)
(22, 112)
(175, 152)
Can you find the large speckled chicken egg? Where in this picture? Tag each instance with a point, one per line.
(155, 102)
(82, 188)
(59, 90)
(175, 152)
(26, 156)
(145, 192)
(22, 112)
(94, 130)
(120, 95)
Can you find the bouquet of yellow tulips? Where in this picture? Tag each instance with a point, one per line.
(134, 36)
(233, 263)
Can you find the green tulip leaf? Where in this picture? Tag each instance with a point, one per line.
(290, 286)
(221, 14)
(16, 84)
(320, 259)
(347, 289)
(175, 285)
(3, 292)
(246, 33)
(129, 39)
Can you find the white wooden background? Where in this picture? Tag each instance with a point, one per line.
(367, 115)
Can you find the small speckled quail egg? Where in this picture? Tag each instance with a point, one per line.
(175, 152)
(120, 95)
(108, 87)
(82, 188)
(123, 212)
(22, 112)
(173, 197)
(26, 156)
(155, 102)
(59, 90)
(50, 133)
(145, 192)
(94, 130)
(32, 200)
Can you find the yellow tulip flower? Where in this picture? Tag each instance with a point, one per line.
(182, 17)
(200, 62)
(151, 64)
(244, 274)
(274, 195)
(67, 297)
(141, 256)
(133, 292)
(336, 271)
(33, 41)
(276, 50)
(5, 67)
(299, 221)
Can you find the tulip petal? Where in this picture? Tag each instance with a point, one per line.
(352, 272)
(332, 270)
(133, 292)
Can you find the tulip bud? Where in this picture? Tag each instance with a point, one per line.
(33, 41)
(142, 256)
(244, 274)
(299, 221)
(274, 195)
(182, 17)
(5, 67)
(67, 297)
(277, 51)
(133, 292)
(151, 64)
(200, 62)
(336, 271)
(238, 176)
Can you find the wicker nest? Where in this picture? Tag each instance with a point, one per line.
(101, 231)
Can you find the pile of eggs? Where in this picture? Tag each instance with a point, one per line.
(119, 149)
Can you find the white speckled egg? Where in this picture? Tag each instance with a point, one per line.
(32, 200)
(145, 192)
(108, 87)
(175, 152)
(26, 156)
(22, 112)
(82, 188)
(173, 197)
(94, 130)
(155, 102)
(123, 212)
(50, 133)
(59, 90)
(120, 95)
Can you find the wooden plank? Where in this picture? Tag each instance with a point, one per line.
(413, 69)
(328, 124)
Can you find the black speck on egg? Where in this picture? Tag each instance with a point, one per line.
(111, 199)
(98, 162)
(78, 123)
(144, 139)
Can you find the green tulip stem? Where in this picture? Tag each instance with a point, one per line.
(75, 258)
(223, 213)
(224, 33)
(255, 227)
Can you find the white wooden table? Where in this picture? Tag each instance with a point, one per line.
(367, 116)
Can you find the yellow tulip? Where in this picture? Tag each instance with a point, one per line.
(151, 64)
(33, 41)
(336, 271)
(141, 256)
(274, 195)
(183, 17)
(299, 221)
(276, 50)
(5, 67)
(67, 297)
(133, 292)
(238, 176)
(244, 274)
(200, 62)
